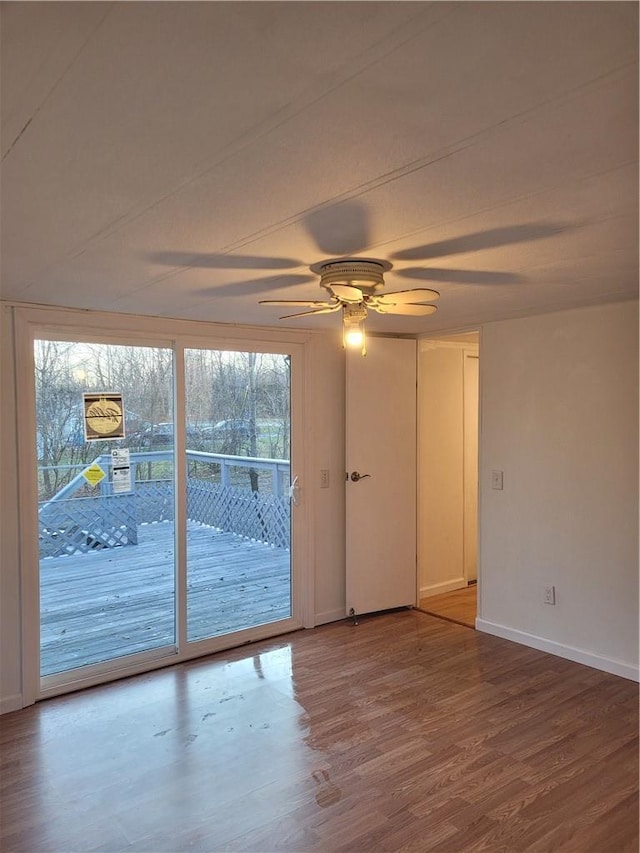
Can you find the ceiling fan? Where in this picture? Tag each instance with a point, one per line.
(354, 286)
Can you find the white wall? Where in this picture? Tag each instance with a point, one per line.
(326, 387)
(559, 415)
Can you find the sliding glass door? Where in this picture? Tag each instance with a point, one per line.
(238, 421)
(105, 473)
(162, 527)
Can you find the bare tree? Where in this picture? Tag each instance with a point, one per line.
(237, 402)
(61, 448)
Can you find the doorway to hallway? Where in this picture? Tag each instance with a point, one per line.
(448, 422)
(459, 606)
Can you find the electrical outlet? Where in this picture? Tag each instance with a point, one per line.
(497, 480)
(324, 478)
(549, 594)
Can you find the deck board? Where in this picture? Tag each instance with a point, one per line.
(119, 601)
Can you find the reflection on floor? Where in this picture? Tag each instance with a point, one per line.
(459, 606)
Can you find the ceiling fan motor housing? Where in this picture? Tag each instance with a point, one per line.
(366, 275)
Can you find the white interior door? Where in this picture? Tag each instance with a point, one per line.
(381, 448)
(470, 456)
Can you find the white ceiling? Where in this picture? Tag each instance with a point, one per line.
(188, 159)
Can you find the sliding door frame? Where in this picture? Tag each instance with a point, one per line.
(62, 324)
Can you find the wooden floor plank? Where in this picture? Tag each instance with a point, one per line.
(405, 732)
(459, 605)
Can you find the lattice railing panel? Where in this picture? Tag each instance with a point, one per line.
(154, 501)
(80, 525)
(253, 515)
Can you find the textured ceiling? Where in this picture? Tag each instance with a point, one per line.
(188, 159)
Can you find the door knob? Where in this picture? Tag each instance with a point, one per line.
(355, 476)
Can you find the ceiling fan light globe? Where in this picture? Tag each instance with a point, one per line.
(353, 338)
(346, 293)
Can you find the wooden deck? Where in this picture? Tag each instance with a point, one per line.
(120, 601)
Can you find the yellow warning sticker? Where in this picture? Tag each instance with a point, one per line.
(93, 474)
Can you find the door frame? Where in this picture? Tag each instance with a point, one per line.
(470, 489)
(67, 324)
(467, 343)
(381, 561)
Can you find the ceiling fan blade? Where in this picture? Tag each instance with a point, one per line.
(339, 229)
(461, 276)
(409, 309)
(404, 297)
(328, 309)
(300, 303)
(205, 260)
(347, 293)
(489, 239)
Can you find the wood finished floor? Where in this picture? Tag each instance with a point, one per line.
(460, 605)
(406, 732)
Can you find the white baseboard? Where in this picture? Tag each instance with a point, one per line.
(11, 703)
(444, 586)
(615, 667)
(329, 616)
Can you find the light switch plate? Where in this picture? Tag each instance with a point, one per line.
(496, 479)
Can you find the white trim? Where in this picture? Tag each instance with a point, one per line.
(303, 531)
(196, 649)
(180, 535)
(615, 667)
(443, 586)
(436, 343)
(11, 703)
(92, 674)
(330, 616)
(471, 351)
(28, 509)
(479, 597)
(148, 330)
(466, 348)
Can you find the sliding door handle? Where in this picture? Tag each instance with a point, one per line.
(294, 489)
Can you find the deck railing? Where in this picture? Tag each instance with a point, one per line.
(237, 494)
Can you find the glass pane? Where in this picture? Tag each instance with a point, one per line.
(106, 521)
(238, 474)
